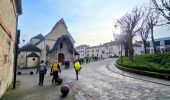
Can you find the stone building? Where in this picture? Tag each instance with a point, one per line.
(9, 11)
(106, 50)
(96, 51)
(29, 56)
(162, 45)
(57, 44)
(82, 50)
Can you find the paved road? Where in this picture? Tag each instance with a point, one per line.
(97, 81)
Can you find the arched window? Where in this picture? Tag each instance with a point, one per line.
(47, 48)
(61, 45)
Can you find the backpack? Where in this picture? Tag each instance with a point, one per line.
(42, 68)
(77, 66)
(55, 67)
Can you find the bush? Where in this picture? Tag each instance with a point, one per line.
(149, 62)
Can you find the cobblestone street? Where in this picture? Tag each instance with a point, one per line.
(97, 81)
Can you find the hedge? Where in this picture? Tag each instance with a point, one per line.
(148, 62)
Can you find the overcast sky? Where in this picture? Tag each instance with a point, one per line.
(89, 21)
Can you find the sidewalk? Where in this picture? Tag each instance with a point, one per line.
(28, 88)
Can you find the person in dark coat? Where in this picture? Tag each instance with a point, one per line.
(42, 71)
(67, 64)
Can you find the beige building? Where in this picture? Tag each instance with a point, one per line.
(9, 9)
(106, 50)
(29, 56)
(57, 44)
(82, 50)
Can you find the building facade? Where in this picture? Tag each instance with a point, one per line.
(106, 50)
(29, 56)
(9, 9)
(58, 44)
(162, 45)
(82, 50)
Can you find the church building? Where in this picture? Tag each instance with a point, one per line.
(58, 44)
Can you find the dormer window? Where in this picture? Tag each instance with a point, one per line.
(151, 44)
(162, 43)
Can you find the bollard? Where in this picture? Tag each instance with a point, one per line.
(19, 73)
(59, 80)
(65, 90)
(31, 72)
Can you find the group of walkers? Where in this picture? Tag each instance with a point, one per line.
(55, 69)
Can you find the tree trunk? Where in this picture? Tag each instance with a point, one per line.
(153, 41)
(130, 49)
(126, 47)
(144, 45)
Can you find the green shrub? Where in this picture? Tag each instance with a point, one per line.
(149, 62)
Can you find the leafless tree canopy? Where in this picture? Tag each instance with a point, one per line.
(129, 25)
(164, 7)
(129, 22)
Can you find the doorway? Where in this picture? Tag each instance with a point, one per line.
(61, 58)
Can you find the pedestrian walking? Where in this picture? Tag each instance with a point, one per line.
(67, 64)
(42, 71)
(77, 68)
(54, 71)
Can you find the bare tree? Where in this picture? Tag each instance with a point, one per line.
(129, 24)
(163, 6)
(122, 41)
(144, 32)
(152, 17)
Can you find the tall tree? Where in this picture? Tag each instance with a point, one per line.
(144, 32)
(163, 6)
(129, 24)
(122, 41)
(152, 18)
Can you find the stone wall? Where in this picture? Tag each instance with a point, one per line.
(22, 58)
(7, 35)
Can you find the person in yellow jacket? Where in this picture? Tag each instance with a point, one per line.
(54, 71)
(77, 68)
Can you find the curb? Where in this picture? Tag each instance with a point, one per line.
(147, 73)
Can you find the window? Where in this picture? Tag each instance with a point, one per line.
(61, 45)
(162, 43)
(87, 51)
(92, 50)
(92, 55)
(103, 52)
(47, 48)
(162, 49)
(33, 59)
(152, 51)
(151, 44)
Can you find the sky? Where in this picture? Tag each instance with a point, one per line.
(90, 22)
